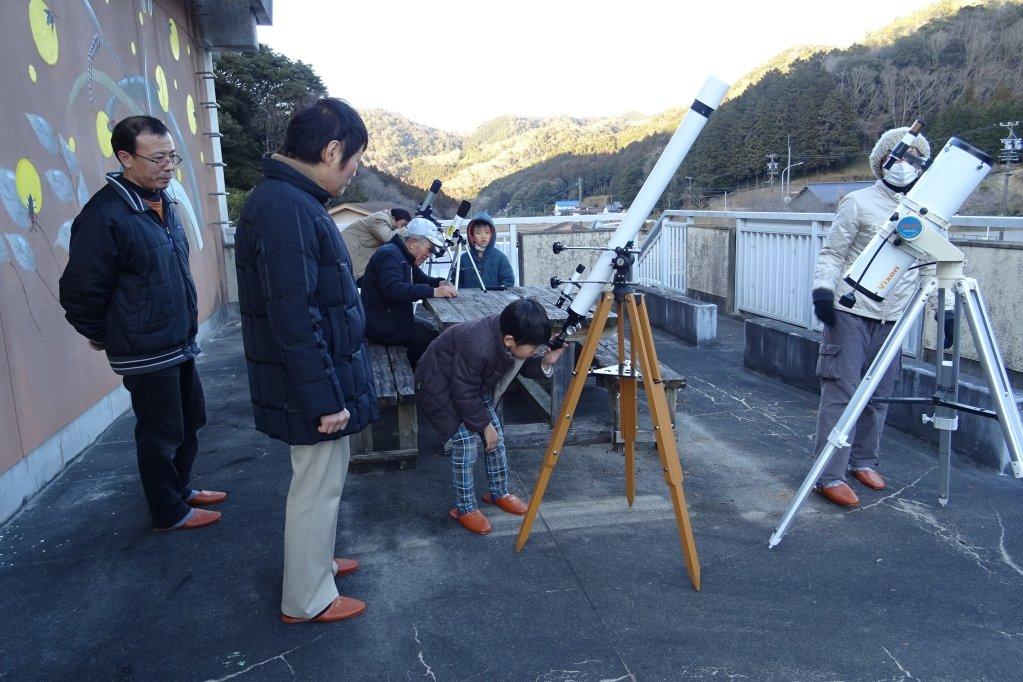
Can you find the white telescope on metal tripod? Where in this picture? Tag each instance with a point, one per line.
(455, 238)
(917, 230)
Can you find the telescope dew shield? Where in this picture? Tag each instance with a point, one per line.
(430, 196)
(956, 172)
(460, 217)
(707, 100)
(952, 177)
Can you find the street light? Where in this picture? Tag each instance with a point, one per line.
(786, 177)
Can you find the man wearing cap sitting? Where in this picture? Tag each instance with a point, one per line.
(393, 282)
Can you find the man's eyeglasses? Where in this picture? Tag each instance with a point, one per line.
(162, 160)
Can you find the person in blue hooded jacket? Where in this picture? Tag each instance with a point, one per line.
(493, 265)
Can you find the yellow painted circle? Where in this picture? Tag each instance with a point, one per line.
(188, 49)
(202, 158)
(134, 50)
(161, 88)
(142, 21)
(103, 134)
(193, 123)
(71, 144)
(175, 43)
(32, 73)
(44, 30)
(175, 83)
(26, 178)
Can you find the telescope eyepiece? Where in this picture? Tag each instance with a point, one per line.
(556, 282)
(557, 247)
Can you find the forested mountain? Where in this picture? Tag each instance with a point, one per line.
(258, 92)
(956, 64)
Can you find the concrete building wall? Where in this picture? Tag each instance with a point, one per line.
(71, 71)
(998, 269)
(710, 264)
(537, 263)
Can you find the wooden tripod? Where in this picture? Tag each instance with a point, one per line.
(629, 305)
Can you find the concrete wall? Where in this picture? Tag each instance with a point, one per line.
(998, 269)
(789, 354)
(710, 264)
(537, 263)
(71, 71)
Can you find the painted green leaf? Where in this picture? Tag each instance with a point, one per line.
(22, 252)
(60, 183)
(10, 199)
(44, 131)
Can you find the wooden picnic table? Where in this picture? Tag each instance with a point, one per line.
(471, 304)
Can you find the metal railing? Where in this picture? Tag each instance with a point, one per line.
(775, 256)
(662, 258)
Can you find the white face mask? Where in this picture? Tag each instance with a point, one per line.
(901, 174)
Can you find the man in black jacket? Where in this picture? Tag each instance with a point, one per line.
(394, 281)
(302, 326)
(127, 288)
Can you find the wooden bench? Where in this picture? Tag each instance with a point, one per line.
(607, 356)
(395, 384)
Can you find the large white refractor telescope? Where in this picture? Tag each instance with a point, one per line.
(707, 100)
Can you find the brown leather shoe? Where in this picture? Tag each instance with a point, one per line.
(339, 609)
(840, 494)
(869, 478)
(200, 518)
(204, 497)
(474, 521)
(345, 566)
(509, 503)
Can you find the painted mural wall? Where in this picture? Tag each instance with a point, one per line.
(70, 70)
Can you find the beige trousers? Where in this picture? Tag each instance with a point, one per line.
(310, 526)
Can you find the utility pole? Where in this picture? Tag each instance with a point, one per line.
(788, 164)
(772, 168)
(1005, 194)
(690, 179)
(580, 192)
(1011, 145)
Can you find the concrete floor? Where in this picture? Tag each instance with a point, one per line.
(899, 589)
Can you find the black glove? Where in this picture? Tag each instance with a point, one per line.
(824, 306)
(950, 327)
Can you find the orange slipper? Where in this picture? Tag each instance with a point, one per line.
(200, 518)
(204, 497)
(345, 566)
(509, 503)
(474, 521)
(339, 609)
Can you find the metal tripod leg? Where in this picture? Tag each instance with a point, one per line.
(839, 436)
(575, 389)
(664, 433)
(994, 370)
(458, 266)
(946, 373)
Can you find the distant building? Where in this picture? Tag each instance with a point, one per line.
(599, 203)
(823, 197)
(344, 214)
(566, 207)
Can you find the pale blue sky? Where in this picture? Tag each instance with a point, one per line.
(456, 64)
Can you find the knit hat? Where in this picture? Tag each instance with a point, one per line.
(886, 143)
